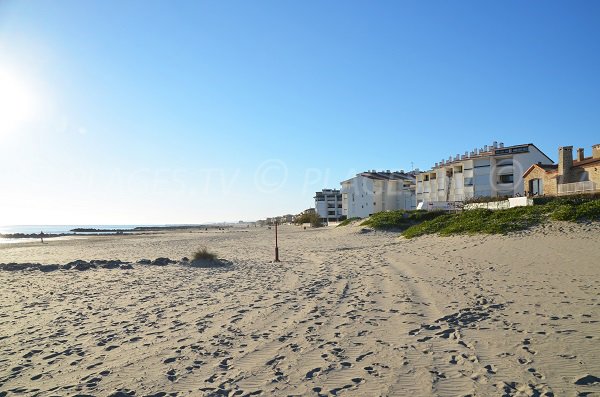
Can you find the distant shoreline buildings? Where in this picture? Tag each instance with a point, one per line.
(328, 205)
(569, 176)
(373, 191)
(492, 171)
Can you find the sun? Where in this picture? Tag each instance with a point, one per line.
(18, 101)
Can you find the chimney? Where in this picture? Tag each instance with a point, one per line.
(580, 155)
(596, 151)
(565, 164)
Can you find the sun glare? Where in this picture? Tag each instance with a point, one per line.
(17, 101)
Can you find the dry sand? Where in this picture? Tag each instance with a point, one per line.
(344, 313)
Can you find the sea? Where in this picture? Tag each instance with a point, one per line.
(54, 229)
(57, 229)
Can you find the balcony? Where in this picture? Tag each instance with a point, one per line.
(577, 187)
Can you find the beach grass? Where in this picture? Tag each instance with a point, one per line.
(484, 221)
(579, 208)
(348, 221)
(399, 220)
(204, 254)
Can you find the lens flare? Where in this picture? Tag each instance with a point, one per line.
(18, 101)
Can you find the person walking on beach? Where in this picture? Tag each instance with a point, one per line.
(42, 236)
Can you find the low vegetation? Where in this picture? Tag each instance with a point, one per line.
(480, 221)
(400, 219)
(312, 218)
(417, 223)
(348, 221)
(203, 254)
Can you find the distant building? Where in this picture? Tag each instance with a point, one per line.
(492, 171)
(372, 191)
(569, 176)
(288, 218)
(328, 205)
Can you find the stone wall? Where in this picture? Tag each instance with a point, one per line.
(549, 183)
(565, 165)
(596, 151)
(594, 174)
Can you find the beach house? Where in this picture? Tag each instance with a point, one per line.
(490, 171)
(328, 204)
(372, 191)
(569, 176)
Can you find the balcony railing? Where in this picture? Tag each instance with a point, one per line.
(577, 187)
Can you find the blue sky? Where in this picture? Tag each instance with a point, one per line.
(184, 112)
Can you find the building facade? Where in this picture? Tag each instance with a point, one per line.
(372, 191)
(491, 171)
(328, 204)
(569, 176)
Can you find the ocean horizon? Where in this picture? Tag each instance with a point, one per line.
(58, 229)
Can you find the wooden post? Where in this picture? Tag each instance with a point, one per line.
(276, 244)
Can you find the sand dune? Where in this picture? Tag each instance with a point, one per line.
(345, 313)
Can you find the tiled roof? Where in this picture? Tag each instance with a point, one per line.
(586, 161)
(548, 167)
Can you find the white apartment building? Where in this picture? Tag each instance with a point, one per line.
(328, 204)
(491, 171)
(372, 191)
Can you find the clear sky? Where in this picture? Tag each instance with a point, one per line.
(121, 112)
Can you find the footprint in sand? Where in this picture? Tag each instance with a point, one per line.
(311, 374)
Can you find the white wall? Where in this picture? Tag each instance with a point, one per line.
(363, 196)
(485, 173)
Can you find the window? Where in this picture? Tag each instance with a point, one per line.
(508, 178)
(331, 212)
(468, 181)
(522, 149)
(536, 187)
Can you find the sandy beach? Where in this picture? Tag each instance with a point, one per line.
(347, 312)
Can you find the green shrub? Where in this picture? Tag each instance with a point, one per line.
(564, 212)
(589, 211)
(399, 219)
(480, 221)
(574, 199)
(204, 254)
(310, 217)
(348, 221)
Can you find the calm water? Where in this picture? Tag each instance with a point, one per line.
(27, 229)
